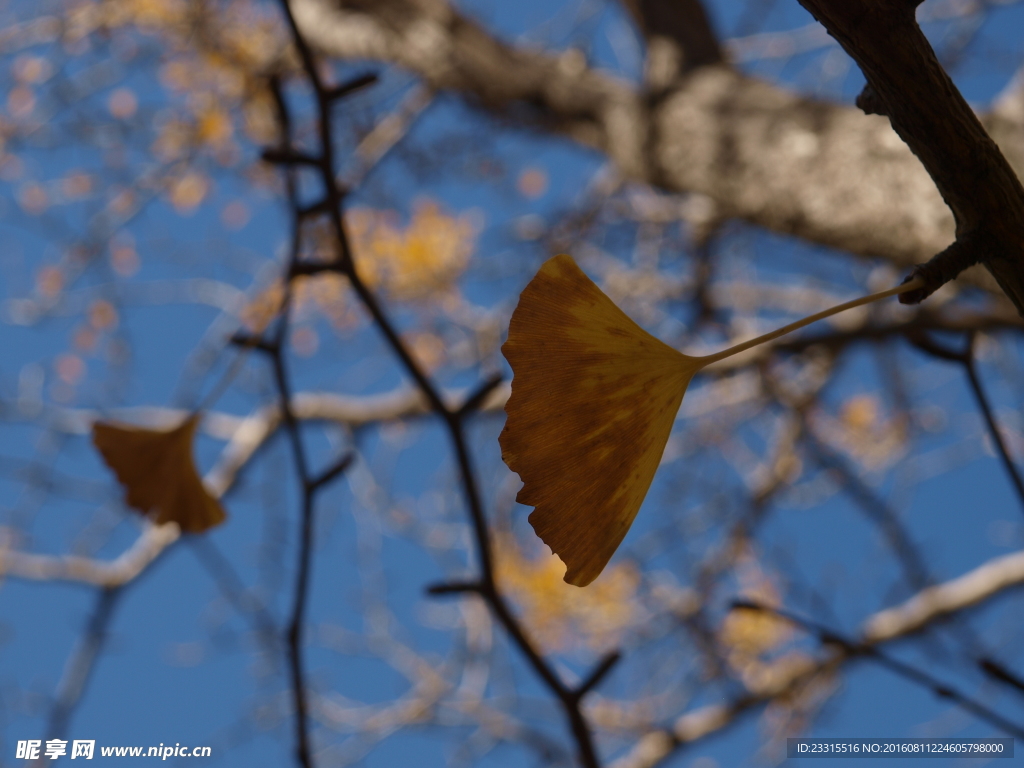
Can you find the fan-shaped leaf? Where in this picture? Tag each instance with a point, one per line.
(592, 405)
(158, 473)
(593, 400)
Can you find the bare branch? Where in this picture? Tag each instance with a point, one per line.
(966, 358)
(820, 171)
(102, 573)
(931, 604)
(81, 662)
(927, 111)
(973, 587)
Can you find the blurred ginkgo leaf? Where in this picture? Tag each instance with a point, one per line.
(157, 470)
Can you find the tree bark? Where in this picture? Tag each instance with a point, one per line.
(679, 38)
(820, 171)
(906, 82)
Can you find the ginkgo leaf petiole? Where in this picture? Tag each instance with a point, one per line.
(910, 285)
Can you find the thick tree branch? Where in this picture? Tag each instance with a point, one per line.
(907, 83)
(451, 52)
(679, 38)
(822, 172)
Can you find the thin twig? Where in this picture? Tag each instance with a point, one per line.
(343, 263)
(997, 671)
(914, 570)
(274, 348)
(856, 649)
(965, 358)
(81, 663)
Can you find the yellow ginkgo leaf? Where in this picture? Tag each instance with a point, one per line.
(594, 397)
(593, 400)
(157, 470)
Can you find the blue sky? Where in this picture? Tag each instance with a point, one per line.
(182, 665)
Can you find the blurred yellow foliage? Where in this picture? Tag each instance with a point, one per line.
(70, 368)
(148, 15)
(414, 262)
(122, 103)
(865, 432)
(213, 126)
(124, 259)
(532, 182)
(261, 309)
(220, 72)
(748, 634)
(32, 69)
(76, 185)
(102, 315)
(235, 214)
(560, 615)
(122, 200)
(49, 281)
(84, 338)
(21, 101)
(305, 341)
(860, 413)
(419, 261)
(259, 120)
(33, 199)
(322, 294)
(188, 191)
(427, 349)
(172, 140)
